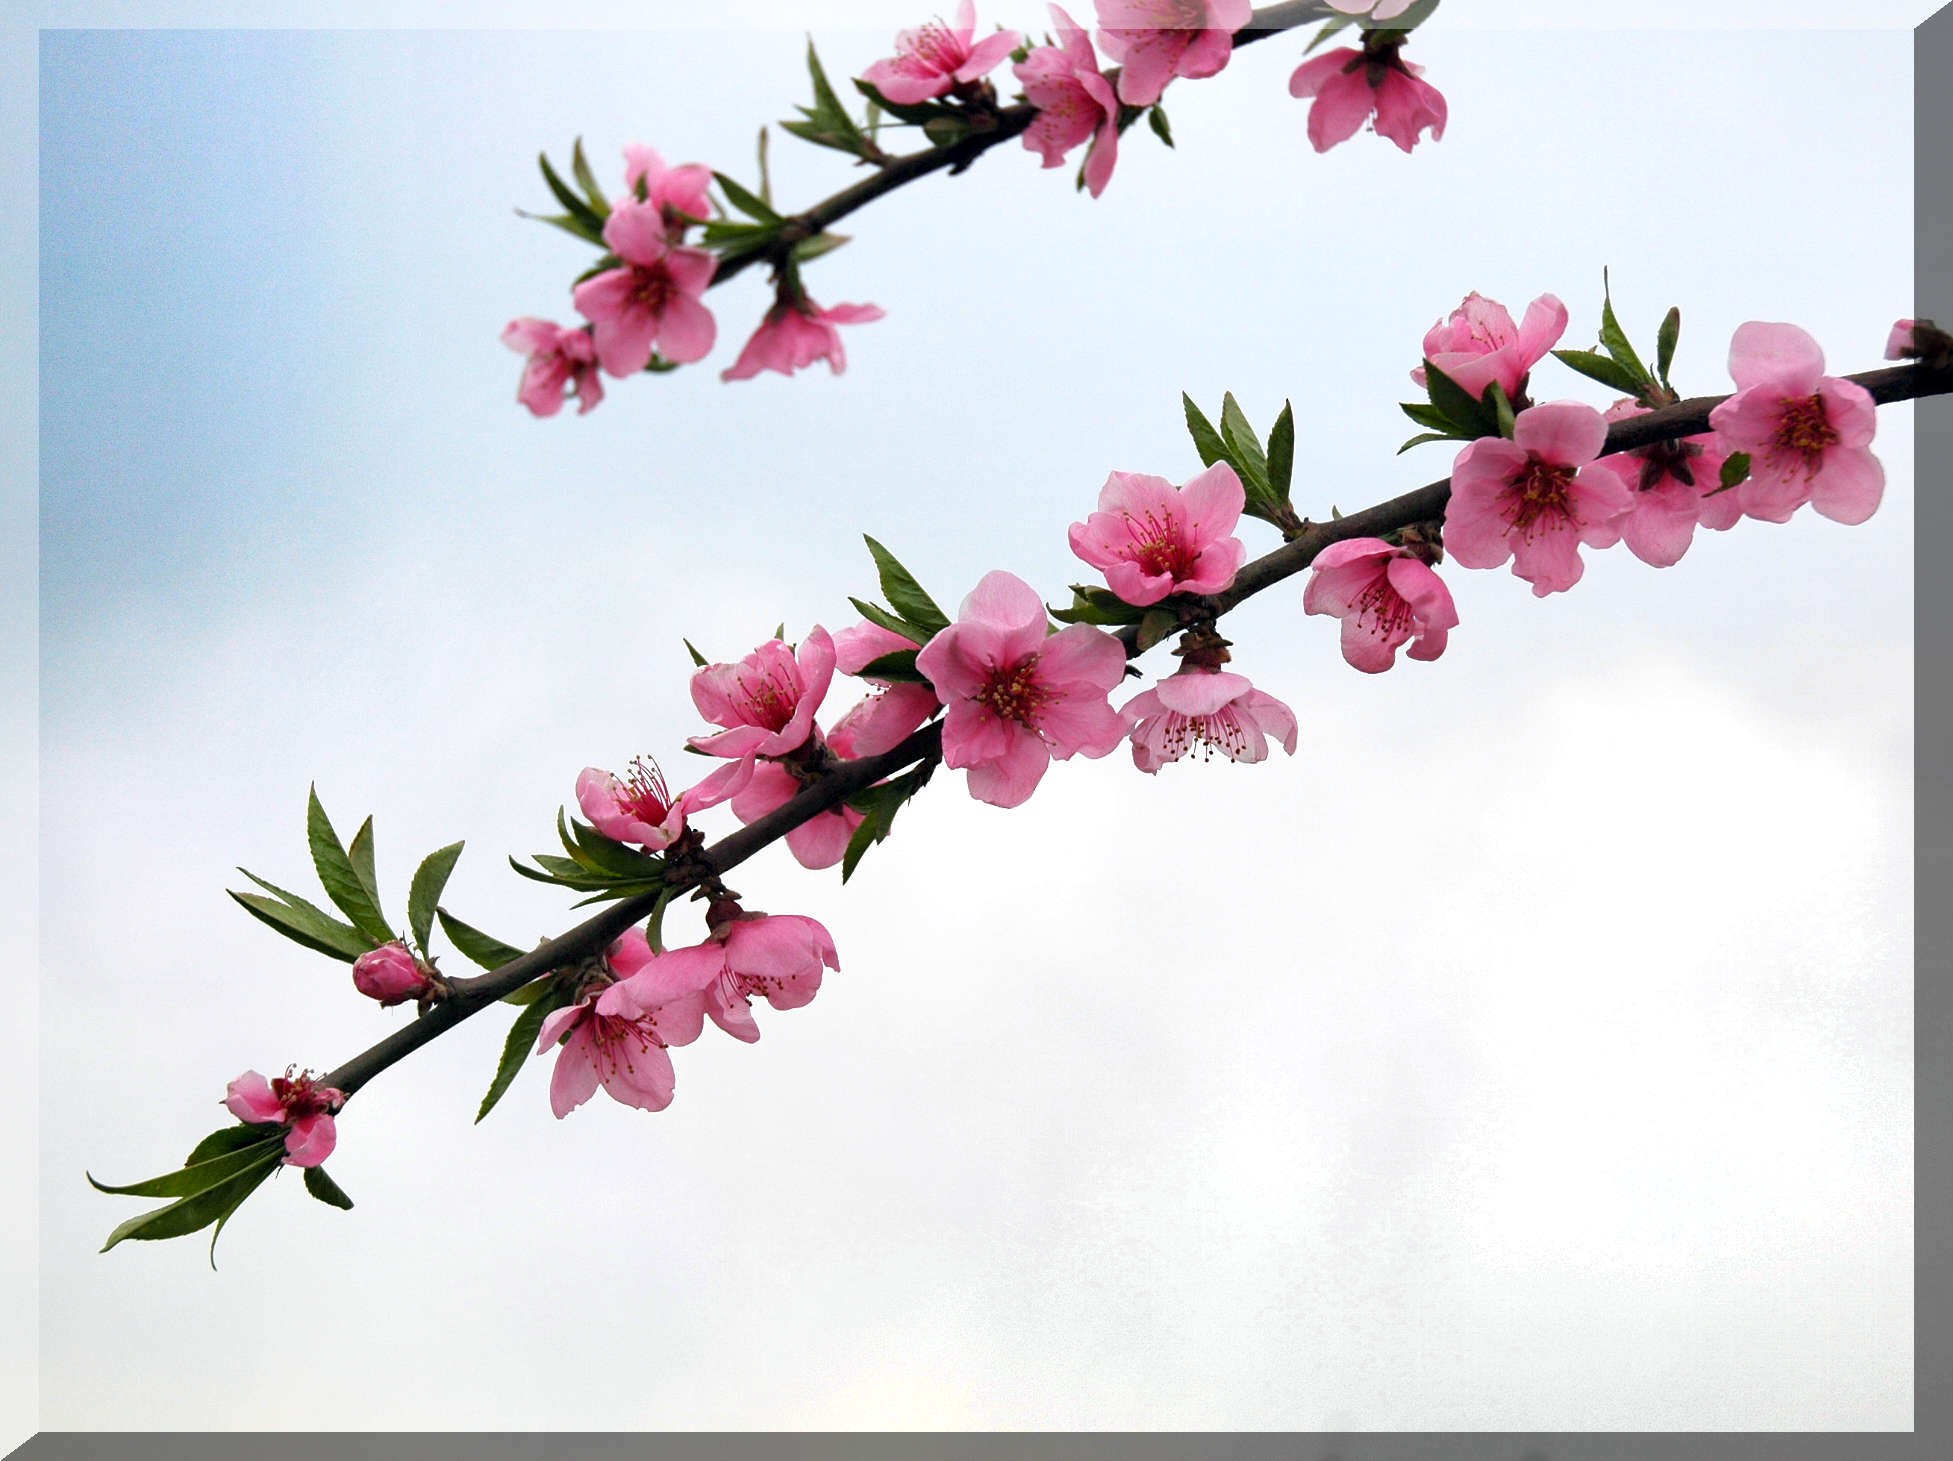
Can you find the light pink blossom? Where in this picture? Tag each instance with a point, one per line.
(1808, 434)
(778, 957)
(935, 58)
(1537, 498)
(558, 358)
(1352, 86)
(767, 700)
(821, 840)
(638, 809)
(1074, 102)
(1671, 483)
(793, 336)
(1213, 709)
(1900, 345)
(299, 1102)
(1478, 343)
(617, 1042)
(1152, 539)
(893, 710)
(1385, 595)
(652, 298)
(680, 194)
(1157, 40)
(390, 974)
(1016, 697)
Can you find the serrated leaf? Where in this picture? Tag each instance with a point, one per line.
(195, 1177)
(1156, 119)
(827, 106)
(747, 203)
(515, 1050)
(359, 852)
(1155, 626)
(865, 835)
(424, 893)
(303, 923)
(326, 1190)
(580, 166)
(876, 614)
(1244, 447)
(342, 883)
(1671, 331)
(904, 594)
(199, 1210)
(1463, 412)
(572, 204)
(475, 946)
(1614, 339)
(1207, 441)
(1281, 452)
(1735, 467)
(1424, 436)
(1596, 366)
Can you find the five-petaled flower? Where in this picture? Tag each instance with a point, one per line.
(390, 974)
(617, 1042)
(1350, 86)
(300, 1102)
(1536, 498)
(1157, 40)
(1074, 101)
(558, 358)
(935, 58)
(1214, 709)
(778, 957)
(1385, 595)
(1675, 485)
(678, 193)
(1016, 697)
(1152, 539)
(796, 333)
(639, 808)
(1807, 433)
(766, 702)
(652, 298)
(1478, 344)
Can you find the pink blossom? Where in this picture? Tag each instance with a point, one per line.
(778, 957)
(1152, 539)
(1900, 344)
(934, 58)
(793, 336)
(678, 193)
(767, 700)
(1350, 86)
(652, 299)
(299, 1102)
(390, 974)
(1537, 498)
(1017, 698)
(892, 710)
(1214, 709)
(1074, 101)
(1157, 40)
(1385, 595)
(821, 840)
(1671, 483)
(557, 358)
(1807, 433)
(1478, 343)
(639, 809)
(620, 1042)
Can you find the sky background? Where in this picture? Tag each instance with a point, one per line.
(1532, 1050)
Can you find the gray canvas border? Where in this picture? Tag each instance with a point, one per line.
(1932, 1098)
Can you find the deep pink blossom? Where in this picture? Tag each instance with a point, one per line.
(793, 336)
(1157, 40)
(390, 974)
(1016, 697)
(558, 358)
(1478, 343)
(818, 842)
(1671, 483)
(778, 957)
(1074, 102)
(639, 808)
(652, 299)
(1384, 595)
(766, 702)
(934, 58)
(1808, 434)
(680, 194)
(299, 1102)
(1537, 498)
(619, 1042)
(1351, 86)
(893, 710)
(1214, 709)
(1152, 539)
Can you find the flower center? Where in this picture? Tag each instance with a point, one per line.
(1221, 731)
(1013, 693)
(1159, 545)
(934, 44)
(646, 796)
(1803, 430)
(1539, 491)
(650, 287)
(767, 702)
(1388, 610)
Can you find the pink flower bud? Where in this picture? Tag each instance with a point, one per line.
(389, 974)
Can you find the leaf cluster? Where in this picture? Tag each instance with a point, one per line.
(1265, 471)
(1621, 367)
(595, 864)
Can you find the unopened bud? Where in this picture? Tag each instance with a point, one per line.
(389, 974)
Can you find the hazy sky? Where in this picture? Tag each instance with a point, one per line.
(1532, 1050)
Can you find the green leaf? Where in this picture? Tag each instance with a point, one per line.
(581, 211)
(945, 129)
(878, 805)
(820, 243)
(913, 113)
(827, 106)
(601, 854)
(199, 1210)
(303, 924)
(1157, 624)
(1735, 467)
(230, 1139)
(866, 834)
(876, 614)
(580, 165)
(1281, 453)
(1425, 415)
(529, 993)
(745, 202)
(515, 1050)
(572, 225)
(359, 852)
(212, 1171)
(326, 1190)
(895, 667)
(1207, 441)
(1424, 436)
(336, 872)
(1097, 606)
(1244, 447)
(1615, 339)
(430, 880)
(904, 594)
(476, 946)
(1495, 393)
(1671, 331)
(1465, 413)
(698, 659)
(1156, 119)
(1330, 28)
(1596, 366)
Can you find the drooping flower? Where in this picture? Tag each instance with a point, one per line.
(893, 710)
(1537, 498)
(1351, 86)
(678, 193)
(558, 358)
(1074, 101)
(1214, 709)
(618, 1042)
(1670, 483)
(1017, 698)
(1478, 343)
(1808, 434)
(638, 809)
(652, 299)
(390, 974)
(1157, 40)
(1152, 539)
(934, 58)
(1385, 595)
(795, 335)
(300, 1102)
(778, 957)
